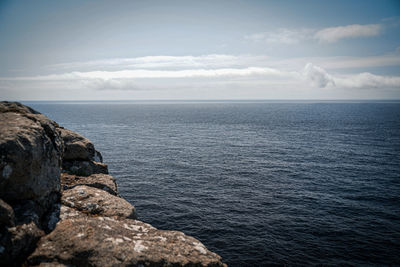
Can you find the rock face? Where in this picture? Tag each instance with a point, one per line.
(59, 207)
(30, 159)
(80, 156)
(30, 154)
(95, 201)
(104, 241)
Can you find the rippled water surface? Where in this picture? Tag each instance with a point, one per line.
(258, 183)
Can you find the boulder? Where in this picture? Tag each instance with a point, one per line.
(80, 156)
(77, 147)
(30, 154)
(91, 200)
(101, 181)
(104, 241)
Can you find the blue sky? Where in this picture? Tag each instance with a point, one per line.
(109, 50)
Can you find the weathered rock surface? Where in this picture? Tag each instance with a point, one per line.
(80, 156)
(77, 147)
(104, 241)
(91, 200)
(80, 219)
(30, 154)
(101, 181)
(30, 159)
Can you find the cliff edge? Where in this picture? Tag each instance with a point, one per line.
(59, 206)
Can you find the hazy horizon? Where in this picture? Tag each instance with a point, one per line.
(199, 51)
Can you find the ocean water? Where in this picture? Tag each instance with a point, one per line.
(258, 183)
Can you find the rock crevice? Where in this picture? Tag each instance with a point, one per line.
(59, 206)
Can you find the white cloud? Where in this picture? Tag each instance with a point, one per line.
(242, 76)
(153, 62)
(146, 74)
(281, 36)
(320, 78)
(317, 76)
(368, 80)
(135, 80)
(326, 35)
(334, 34)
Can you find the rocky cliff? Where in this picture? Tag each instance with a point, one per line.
(59, 206)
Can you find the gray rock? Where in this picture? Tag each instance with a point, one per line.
(104, 241)
(30, 154)
(77, 147)
(101, 181)
(91, 200)
(30, 160)
(84, 168)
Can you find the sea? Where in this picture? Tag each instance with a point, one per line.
(261, 183)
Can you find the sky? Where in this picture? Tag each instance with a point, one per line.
(199, 50)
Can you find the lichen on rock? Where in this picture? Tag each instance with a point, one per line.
(109, 242)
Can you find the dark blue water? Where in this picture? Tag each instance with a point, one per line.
(258, 183)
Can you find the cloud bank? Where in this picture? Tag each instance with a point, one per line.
(334, 34)
(281, 36)
(325, 35)
(309, 76)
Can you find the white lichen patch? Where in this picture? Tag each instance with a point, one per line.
(106, 227)
(115, 241)
(7, 170)
(66, 212)
(80, 235)
(139, 247)
(132, 227)
(199, 247)
(126, 238)
(181, 238)
(161, 238)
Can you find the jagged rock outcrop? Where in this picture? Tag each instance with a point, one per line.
(30, 159)
(30, 154)
(77, 147)
(80, 156)
(59, 207)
